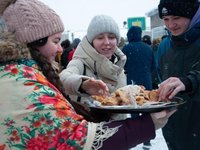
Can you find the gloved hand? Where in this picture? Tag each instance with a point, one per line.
(160, 118)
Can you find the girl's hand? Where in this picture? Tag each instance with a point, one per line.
(95, 87)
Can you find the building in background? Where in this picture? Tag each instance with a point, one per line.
(156, 24)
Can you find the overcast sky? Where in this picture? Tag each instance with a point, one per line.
(76, 14)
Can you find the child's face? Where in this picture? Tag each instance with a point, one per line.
(52, 47)
(105, 44)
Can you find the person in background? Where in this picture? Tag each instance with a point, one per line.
(140, 59)
(34, 114)
(180, 70)
(154, 46)
(121, 43)
(75, 43)
(147, 39)
(140, 63)
(155, 74)
(66, 45)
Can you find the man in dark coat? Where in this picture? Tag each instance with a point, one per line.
(180, 70)
(140, 59)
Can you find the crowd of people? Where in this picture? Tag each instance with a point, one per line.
(43, 78)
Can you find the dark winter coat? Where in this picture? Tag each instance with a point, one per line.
(140, 59)
(183, 60)
(64, 57)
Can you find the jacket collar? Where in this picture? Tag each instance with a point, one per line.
(188, 37)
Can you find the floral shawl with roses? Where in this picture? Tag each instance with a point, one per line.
(33, 113)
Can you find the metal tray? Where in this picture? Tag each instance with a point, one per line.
(154, 107)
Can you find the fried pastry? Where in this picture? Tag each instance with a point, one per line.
(140, 100)
(128, 95)
(107, 101)
(153, 95)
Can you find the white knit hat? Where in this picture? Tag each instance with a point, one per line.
(101, 24)
(30, 20)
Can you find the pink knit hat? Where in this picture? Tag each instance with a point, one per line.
(30, 20)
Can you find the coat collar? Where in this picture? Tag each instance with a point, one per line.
(187, 37)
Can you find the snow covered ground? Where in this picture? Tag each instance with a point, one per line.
(157, 144)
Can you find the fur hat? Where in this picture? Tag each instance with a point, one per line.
(30, 20)
(101, 24)
(183, 8)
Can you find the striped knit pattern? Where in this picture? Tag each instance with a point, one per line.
(31, 20)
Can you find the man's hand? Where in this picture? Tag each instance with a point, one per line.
(170, 87)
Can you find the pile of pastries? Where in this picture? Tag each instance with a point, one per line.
(128, 95)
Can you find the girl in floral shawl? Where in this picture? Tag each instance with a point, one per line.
(34, 114)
